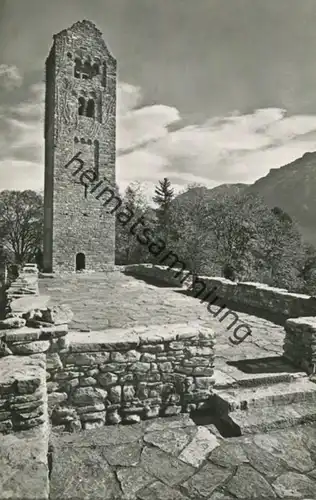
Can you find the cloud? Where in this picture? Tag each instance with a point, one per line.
(10, 77)
(155, 141)
(235, 148)
(21, 142)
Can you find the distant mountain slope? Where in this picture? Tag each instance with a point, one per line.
(214, 193)
(293, 188)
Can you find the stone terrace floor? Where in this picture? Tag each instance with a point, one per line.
(173, 459)
(113, 300)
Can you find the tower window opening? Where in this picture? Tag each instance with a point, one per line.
(86, 71)
(95, 69)
(81, 108)
(80, 261)
(90, 108)
(104, 75)
(77, 67)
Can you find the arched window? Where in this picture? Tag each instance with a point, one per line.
(80, 261)
(104, 75)
(82, 104)
(86, 71)
(95, 69)
(77, 67)
(90, 108)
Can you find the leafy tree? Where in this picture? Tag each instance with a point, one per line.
(236, 235)
(232, 220)
(190, 237)
(279, 250)
(21, 223)
(307, 271)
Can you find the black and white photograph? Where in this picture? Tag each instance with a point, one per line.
(157, 249)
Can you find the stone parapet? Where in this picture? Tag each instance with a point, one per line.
(161, 274)
(129, 375)
(261, 297)
(270, 300)
(300, 343)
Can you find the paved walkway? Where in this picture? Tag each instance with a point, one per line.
(173, 459)
(114, 300)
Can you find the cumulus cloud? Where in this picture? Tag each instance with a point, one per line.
(10, 77)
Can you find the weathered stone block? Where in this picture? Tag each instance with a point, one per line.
(139, 367)
(84, 396)
(125, 357)
(30, 347)
(128, 393)
(10, 323)
(58, 315)
(53, 362)
(165, 367)
(115, 394)
(90, 409)
(91, 417)
(107, 379)
(148, 357)
(87, 381)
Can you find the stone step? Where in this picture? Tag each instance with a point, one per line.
(269, 378)
(243, 398)
(264, 420)
(225, 381)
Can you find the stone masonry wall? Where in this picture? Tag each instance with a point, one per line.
(300, 343)
(115, 376)
(255, 295)
(160, 274)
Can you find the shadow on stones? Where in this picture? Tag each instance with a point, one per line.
(278, 319)
(154, 282)
(210, 417)
(272, 364)
(50, 454)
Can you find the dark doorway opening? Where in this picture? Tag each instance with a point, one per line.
(80, 261)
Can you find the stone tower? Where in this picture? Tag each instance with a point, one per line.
(80, 118)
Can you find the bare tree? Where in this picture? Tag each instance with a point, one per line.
(21, 223)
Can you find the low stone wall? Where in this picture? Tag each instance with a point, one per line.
(259, 296)
(114, 376)
(23, 395)
(274, 301)
(105, 377)
(300, 343)
(23, 390)
(160, 274)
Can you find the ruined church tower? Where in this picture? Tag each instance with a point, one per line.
(80, 117)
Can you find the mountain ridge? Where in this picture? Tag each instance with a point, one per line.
(291, 187)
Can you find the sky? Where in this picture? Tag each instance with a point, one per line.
(209, 91)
